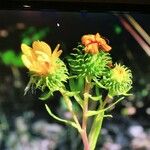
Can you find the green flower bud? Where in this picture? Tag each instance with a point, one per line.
(85, 64)
(118, 80)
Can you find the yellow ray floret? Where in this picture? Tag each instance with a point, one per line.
(40, 59)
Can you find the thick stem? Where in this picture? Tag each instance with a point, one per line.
(84, 118)
(85, 140)
(85, 104)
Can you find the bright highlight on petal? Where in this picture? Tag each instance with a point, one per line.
(57, 52)
(94, 43)
(40, 59)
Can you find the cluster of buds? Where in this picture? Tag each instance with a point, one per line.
(91, 62)
(92, 59)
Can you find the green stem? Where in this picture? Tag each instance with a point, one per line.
(97, 125)
(85, 140)
(85, 117)
(95, 130)
(70, 108)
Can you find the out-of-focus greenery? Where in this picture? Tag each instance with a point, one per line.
(117, 29)
(33, 34)
(11, 58)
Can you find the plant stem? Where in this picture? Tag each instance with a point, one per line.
(70, 108)
(95, 130)
(84, 118)
(96, 126)
(85, 140)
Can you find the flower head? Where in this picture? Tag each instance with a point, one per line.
(118, 81)
(40, 59)
(94, 43)
(48, 71)
(88, 65)
(120, 73)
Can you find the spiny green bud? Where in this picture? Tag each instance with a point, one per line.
(85, 64)
(118, 80)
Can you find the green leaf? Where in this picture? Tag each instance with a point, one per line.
(113, 104)
(79, 100)
(99, 84)
(76, 96)
(70, 94)
(95, 98)
(95, 130)
(59, 119)
(94, 112)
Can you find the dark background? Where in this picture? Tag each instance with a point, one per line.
(24, 118)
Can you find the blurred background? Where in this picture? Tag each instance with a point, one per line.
(24, 122)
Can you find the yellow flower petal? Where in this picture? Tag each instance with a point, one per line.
(42, 46)
(26, 49)
(40, 58)
(57, 52)
(43, 56)
(26, 61)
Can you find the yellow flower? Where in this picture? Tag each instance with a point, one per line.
(118, 81)
(94, 43)
(121, 74)
(40, 59)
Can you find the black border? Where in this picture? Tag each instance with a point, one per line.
(87, 5)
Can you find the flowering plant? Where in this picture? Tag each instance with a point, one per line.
(91, 63)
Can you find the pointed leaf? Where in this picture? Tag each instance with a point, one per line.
(59, 119)
(99, 84)
(79, 100)
(94, 112)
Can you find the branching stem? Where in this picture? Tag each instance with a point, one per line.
(70, 108)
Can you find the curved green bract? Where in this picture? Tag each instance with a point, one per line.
(83, 64)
